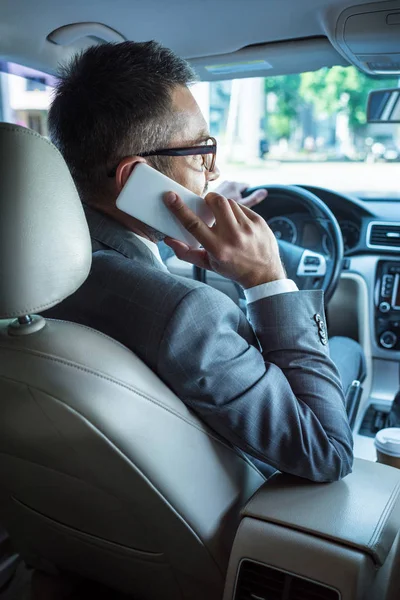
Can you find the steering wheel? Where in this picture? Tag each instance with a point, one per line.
(308, 269)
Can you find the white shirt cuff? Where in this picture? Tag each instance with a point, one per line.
(280, 286)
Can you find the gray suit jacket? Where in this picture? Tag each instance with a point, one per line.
(268, 385)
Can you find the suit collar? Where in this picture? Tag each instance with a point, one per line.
(107, 232)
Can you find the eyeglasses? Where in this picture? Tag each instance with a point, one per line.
(208, 151)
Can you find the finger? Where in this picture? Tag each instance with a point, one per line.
(254, 198)
(242, 186)
(237, 191)
(189, 220)
(221, 209)
(226, 188)
(236, 209)
(250, 214)
(188, 254)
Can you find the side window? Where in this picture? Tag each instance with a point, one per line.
(25, 96)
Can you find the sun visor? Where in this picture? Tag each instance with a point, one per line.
(368, 35)
(267, 60)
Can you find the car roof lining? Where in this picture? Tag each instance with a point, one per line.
(203, 30)
(311, 54)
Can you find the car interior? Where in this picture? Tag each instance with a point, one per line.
(105, 475)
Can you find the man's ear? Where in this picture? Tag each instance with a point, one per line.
(125, 168)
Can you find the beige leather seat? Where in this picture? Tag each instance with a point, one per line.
(103, 471)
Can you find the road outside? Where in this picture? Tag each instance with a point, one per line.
(374, 179)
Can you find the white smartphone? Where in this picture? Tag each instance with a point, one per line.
(142, 198)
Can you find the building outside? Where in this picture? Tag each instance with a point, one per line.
(26, 98)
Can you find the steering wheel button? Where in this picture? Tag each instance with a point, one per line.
(312, 260)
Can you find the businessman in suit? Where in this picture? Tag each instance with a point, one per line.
(265, 383)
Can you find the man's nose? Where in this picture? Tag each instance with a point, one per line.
(214, 174)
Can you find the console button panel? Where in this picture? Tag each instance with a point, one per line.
(387, 305)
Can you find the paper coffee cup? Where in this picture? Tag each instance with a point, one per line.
(387, 444)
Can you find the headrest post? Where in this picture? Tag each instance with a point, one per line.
(25, 320)
(26, 325)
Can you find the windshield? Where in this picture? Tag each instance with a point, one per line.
(308, 128)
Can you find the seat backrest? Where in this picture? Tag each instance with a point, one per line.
(103, 470)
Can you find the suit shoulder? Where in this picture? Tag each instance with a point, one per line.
(128, 277)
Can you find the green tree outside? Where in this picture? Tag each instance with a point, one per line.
(328, 91)
(286, 88)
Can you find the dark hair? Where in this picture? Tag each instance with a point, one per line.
(112, 101)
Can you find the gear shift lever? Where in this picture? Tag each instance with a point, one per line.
(393, 419)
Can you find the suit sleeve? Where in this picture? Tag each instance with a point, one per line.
(268, 387)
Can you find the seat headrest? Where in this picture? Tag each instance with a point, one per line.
(45, 248)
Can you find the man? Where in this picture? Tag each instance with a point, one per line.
(268, 387)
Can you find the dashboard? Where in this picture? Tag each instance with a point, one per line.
(297, 228)
(355, 216)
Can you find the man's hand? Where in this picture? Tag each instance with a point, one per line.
(240, 245)
(234, 189)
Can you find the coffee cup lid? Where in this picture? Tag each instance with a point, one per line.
(388, 441)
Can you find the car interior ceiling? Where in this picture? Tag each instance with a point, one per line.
(86, 495)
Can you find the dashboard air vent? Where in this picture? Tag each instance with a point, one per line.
(259, 582)
(384, 235)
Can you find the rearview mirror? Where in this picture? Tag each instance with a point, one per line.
(384, 106)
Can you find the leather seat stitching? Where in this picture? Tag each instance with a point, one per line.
(130, 388)
(155, 489)
(122, 454)
(94, 331)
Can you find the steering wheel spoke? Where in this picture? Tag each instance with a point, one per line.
(306, 268)
(309, 269)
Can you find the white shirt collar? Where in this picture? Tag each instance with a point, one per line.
(151, 246)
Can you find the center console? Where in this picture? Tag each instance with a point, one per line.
(299, 540)
(387, 305)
